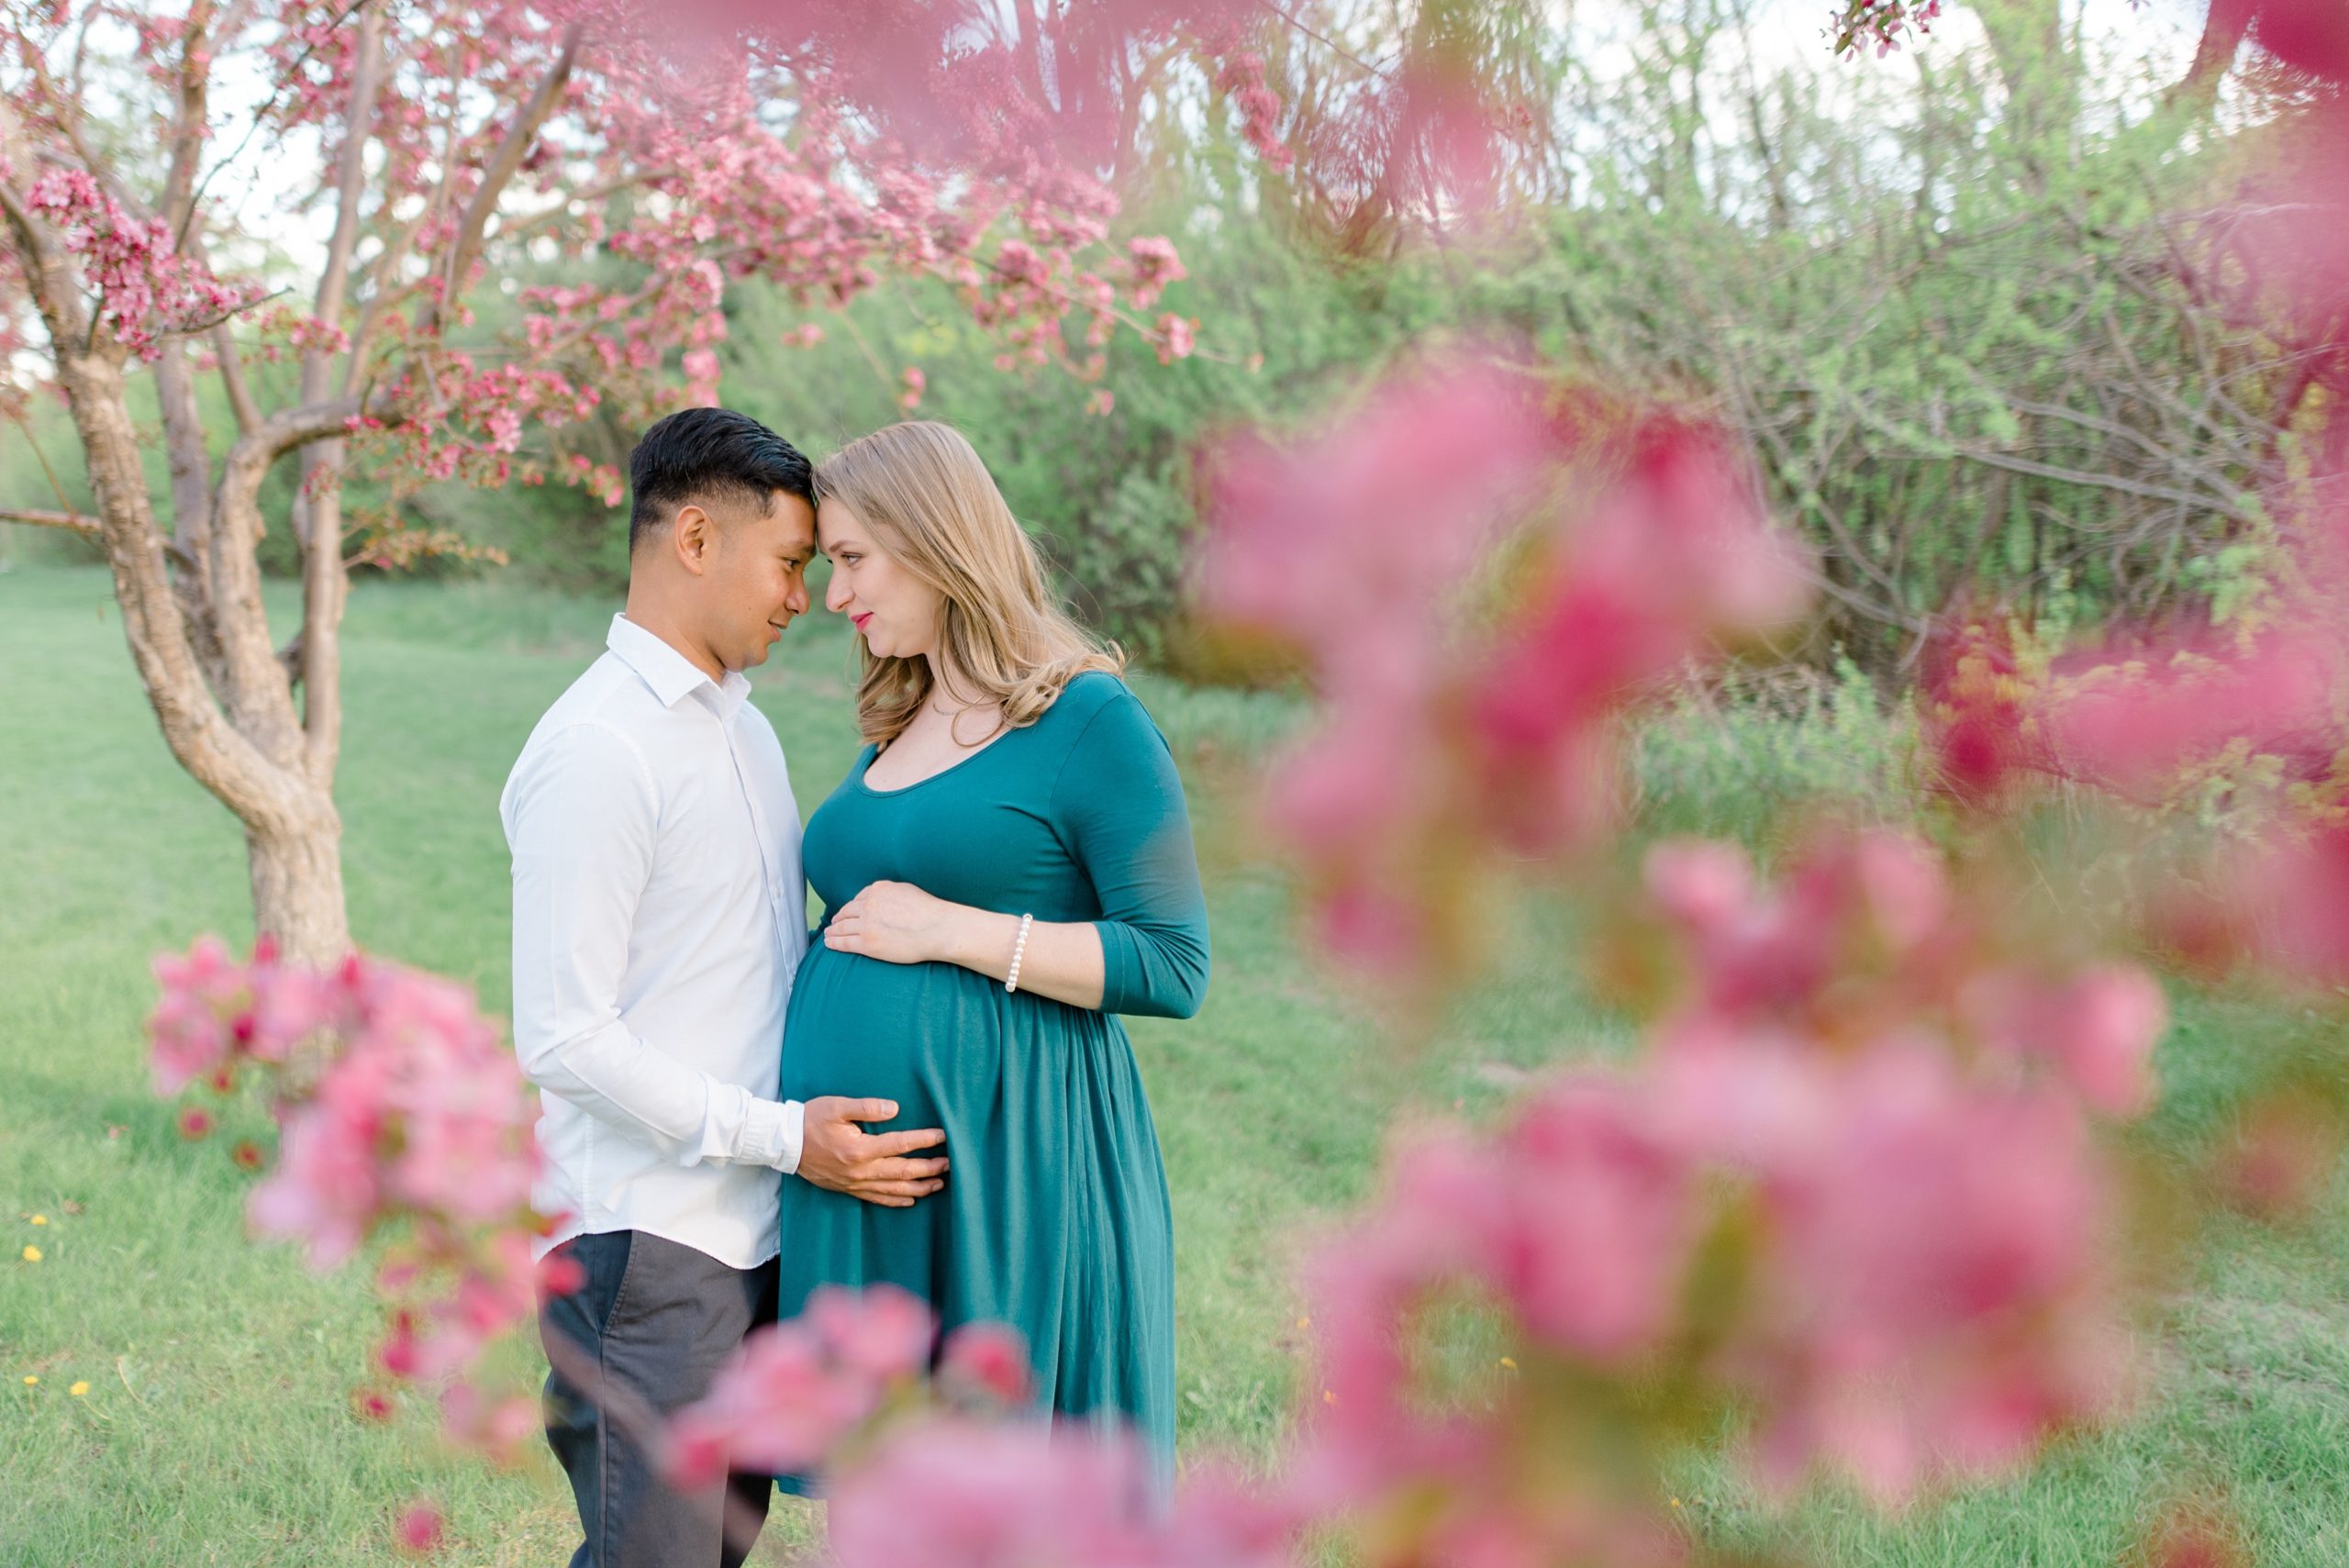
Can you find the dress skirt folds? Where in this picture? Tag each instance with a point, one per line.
(1054, 1216)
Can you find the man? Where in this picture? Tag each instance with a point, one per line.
(659, 916)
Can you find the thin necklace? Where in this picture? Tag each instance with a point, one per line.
(954, 717)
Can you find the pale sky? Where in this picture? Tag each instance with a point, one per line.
(2153, 40)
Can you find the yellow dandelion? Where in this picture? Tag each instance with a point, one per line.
(1676, 1502)
(1305, 1322)
(32, 1254)
(1328, 1398)
(40, 1219)
(31, 1381)
(1509, 1362)
(78, 1390)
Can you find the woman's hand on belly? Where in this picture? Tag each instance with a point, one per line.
(894, 922)
(899, 923)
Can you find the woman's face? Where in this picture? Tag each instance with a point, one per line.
(897, 613)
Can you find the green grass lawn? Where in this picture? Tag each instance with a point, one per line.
(216, 1427)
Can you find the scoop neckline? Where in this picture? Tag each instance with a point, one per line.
(872, 754)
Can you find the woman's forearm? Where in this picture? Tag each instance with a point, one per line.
(1062, 961)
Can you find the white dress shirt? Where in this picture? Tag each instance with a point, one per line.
(659, 916)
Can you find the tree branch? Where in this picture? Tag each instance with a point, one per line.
(1325, 42)
(71, 522)
(187, 121)
(324, 582)
(502, 166)
(232, 377)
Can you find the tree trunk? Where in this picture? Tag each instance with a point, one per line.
(239, 738)
(297, 881)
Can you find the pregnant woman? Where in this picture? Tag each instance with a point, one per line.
(1006, 868)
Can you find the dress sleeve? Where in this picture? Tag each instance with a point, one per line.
(1118, 802)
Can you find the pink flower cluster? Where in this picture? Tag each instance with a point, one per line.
(796, 1391)
(992, 1495)
(1240, 76)
(661, 151)
(1859, 23)
(147, 289)
(1865, 938)
(953, 1468)
(1851, 1195)
(398, 1105)
(1456, 706)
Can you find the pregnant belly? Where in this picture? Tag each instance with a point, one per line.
(929, 1035)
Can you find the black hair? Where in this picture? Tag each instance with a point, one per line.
(699, 454)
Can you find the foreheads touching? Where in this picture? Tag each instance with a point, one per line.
(724, 464)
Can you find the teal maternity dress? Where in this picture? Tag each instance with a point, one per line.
(1054, 1217)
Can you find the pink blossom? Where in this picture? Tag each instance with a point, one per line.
(2098, 1029)
(1154, 265)
(1977, 716)
(881, 1332)
(1347, 544)
(419, 1529)
(988, 1361)
(1024, 1494)
(1701, 886)
(1176, 339)
(1962, 1323)
(2132, 724)
(324, 1191)
(147, 289)
(418, 1115)
(191, 1029)
(795, 1390)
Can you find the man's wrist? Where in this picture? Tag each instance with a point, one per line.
(772, 1134)
(795, 1137)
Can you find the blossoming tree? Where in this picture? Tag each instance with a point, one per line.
(546, 157)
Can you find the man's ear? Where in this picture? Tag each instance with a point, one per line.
(693, 535)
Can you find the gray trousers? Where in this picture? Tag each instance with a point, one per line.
(641, 1339)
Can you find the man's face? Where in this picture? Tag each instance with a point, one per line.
(757, 582)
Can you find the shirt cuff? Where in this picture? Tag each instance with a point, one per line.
(773, 1133)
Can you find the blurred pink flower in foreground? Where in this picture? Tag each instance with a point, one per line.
(962, 1472)
(795, 1390)
(414, 1114)
(1024, 1494)
(1854, 1195)
(1470, 711)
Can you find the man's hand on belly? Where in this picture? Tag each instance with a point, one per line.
(838, 1153)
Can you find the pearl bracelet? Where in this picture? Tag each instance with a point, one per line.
(1018, 951)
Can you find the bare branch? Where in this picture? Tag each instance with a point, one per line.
(350, 178)
(71, 522)
(2120, 482)
(324, 581)
(1325, 42)
(32, 444)
(502, 167)
(232, 377)
(261, 116)
(186, 136)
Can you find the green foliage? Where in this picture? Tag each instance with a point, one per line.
(1742, 759)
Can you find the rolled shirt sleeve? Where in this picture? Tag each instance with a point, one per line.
(573, 910)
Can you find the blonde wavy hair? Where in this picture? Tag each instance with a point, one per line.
(935, 507)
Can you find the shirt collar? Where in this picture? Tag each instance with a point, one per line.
(670, 674)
